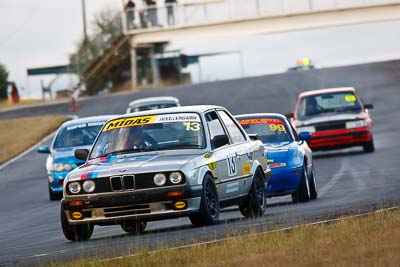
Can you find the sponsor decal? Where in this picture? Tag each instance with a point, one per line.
(270, 160)
(261, 121)
(350, 98)
(246, 168)
(212, 165)
(84, 125)
(127, 122)
(232, 187)
(207, 155)
(250, 155)
(192, 120)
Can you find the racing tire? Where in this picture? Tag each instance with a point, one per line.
(302, 193)
(80, 232)
(313, 186)
(209, 204)
(369, 147)
(134, 227)
(256, 202)
(54, 196)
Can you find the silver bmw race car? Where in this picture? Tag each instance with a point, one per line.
(160, 164)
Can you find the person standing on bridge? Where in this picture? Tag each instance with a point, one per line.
(130, 14)
(152, 12)
(170, 11)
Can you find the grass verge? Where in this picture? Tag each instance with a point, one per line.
(17, 135)
(22, 102)
(363, 241)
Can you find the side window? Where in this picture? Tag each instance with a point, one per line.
(234, 131)
(215, 129)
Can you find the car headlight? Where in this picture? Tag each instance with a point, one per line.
(310, 129)
(160, 179)
(67, 167)
(89, 186)
(59, 167)
(74, 187)
(175, 177)
(356, 124)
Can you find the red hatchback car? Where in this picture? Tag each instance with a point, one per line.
(336, 117)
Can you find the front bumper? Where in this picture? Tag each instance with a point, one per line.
(56, 186)
(115, 208)
(339, 138)
(284, 180)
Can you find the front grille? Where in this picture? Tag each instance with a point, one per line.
(129, 184)
(121, 183)
(116, 183)
(330, 126)
(126, 210)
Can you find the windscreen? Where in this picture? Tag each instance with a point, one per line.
(268, 129)
(334, 103)
(82, 134)
(150, 133)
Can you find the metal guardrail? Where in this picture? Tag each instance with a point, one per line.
(193, 13)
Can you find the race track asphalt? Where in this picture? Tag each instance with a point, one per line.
(348, 180)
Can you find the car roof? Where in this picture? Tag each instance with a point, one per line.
(269, 115)
(89, 119)
(327, 91)
(149, 100)
(196, 108)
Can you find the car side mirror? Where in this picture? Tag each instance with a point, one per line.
(305, 136)
(81, 154)
(43, 150)
(253, 137)
(288, 115)
(220, 140)
(369, 106)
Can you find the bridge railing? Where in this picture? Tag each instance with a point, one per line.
(197, 12)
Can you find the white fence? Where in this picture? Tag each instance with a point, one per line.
(211, 11)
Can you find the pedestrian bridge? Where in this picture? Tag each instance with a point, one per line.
(146, 27)
(225, 18)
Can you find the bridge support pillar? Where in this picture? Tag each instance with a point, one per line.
(134, 86)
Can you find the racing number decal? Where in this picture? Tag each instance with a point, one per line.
(231, 164)
(277, 127)
(192, 126)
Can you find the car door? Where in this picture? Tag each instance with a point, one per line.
(222, 160)
(238, 159)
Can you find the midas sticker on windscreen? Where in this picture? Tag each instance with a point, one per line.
(350, 98)
(127, 122)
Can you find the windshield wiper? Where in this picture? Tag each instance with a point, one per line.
(126, 151)
(180, 146)
(347, 109)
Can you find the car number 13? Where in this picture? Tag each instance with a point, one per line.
(231, 164)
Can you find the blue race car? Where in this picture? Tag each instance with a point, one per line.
(288, 155)
(71, 135)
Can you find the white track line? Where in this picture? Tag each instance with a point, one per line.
(260, 233)
(73, 117)
(335, 178)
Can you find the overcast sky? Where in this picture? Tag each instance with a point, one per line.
(35, 33)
